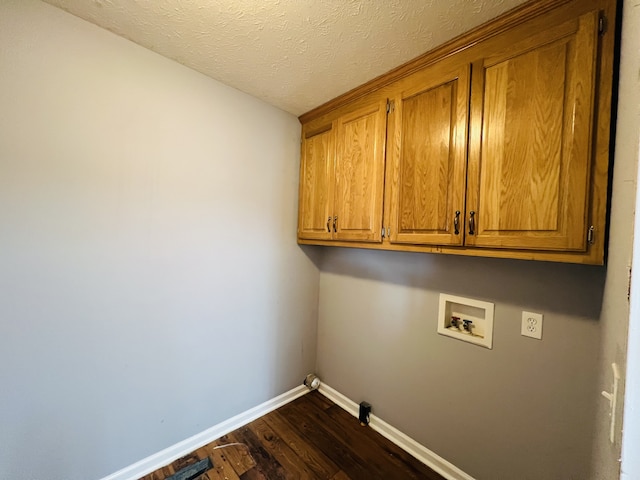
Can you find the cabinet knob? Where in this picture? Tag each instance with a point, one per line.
(329, 224)
(335, 222)
(456, 223)
(472, 222)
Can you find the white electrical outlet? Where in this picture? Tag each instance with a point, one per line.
(532, 325)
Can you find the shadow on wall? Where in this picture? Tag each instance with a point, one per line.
(563, 288)
(314, 254)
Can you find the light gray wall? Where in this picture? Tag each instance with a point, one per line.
(526, 409)
(631, 427)
(150, 281)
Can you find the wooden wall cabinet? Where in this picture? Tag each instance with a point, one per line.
(342, 176)
(495, 145)
(317, 174)
(532, 106)
(427, 156)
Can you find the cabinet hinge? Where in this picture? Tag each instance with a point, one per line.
(602, 25)
(390, 106)
(591, 235)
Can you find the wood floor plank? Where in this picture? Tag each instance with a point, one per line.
(154, 476)
(316, 434)
(253, 474)
(309, 438)
(322, 465)
(222, 469)
(341, 434)
(346, 429)
(318, 399)
(394, 453)
(239, 456)
(292, 464)
(265, 462)
(340, 476)
(212, 474)
(185, 461)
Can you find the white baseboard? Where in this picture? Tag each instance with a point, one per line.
(408, 444)
(168, 455)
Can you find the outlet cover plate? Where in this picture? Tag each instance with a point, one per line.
(531, 325)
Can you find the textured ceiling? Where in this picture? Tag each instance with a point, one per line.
(294, 54)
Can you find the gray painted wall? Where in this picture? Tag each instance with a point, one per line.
(150, 281)
(526, 409)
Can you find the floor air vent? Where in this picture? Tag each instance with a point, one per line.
(193, 471)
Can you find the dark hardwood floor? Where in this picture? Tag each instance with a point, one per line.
(309, 438)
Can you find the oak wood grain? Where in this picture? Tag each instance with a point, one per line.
(359, 184)
(529, 177)
(316, 183)
(427, 154)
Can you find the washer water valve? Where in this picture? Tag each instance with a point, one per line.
(467, 324)
(312, 382)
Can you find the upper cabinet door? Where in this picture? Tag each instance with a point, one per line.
(530, 143)
(427, 157)
(360, 146)
(315, 215)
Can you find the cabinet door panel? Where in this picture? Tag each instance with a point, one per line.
(428, 158)
(360, 138)
(316, 180)
(529, 166)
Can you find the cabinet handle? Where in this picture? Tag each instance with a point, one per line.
(456, 223)
(335, 221)
(472, 222)
(329, 224)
